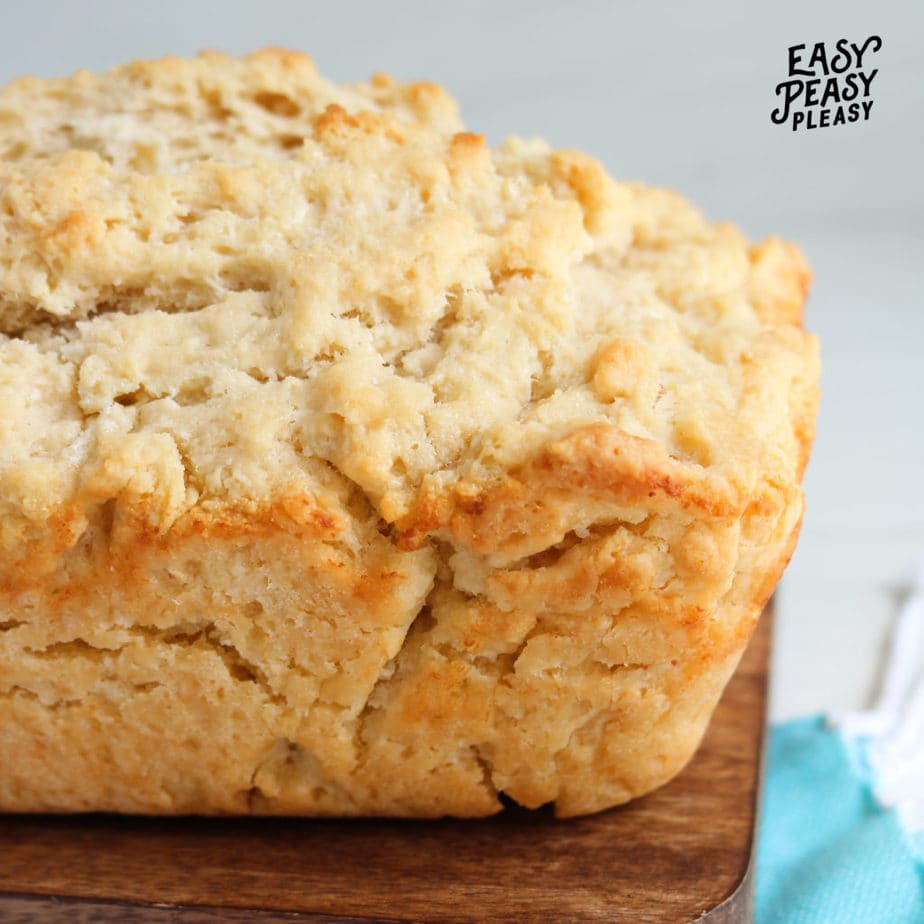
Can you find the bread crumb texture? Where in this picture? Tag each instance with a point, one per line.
(350, 466)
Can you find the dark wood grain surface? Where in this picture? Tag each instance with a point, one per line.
(674, 856)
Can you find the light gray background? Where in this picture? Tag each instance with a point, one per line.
(676, 94)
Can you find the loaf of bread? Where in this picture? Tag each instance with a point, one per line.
(349, 466)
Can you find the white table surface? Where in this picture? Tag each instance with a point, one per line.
(677, 94)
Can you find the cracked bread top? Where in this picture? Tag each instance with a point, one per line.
(223, 278)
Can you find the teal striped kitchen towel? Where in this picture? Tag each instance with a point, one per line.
(842, 829)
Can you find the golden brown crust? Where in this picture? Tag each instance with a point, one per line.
(351, 466)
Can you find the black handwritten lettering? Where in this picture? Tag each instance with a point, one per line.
(794, 60)
(811, 92)
(841, 61)
(832, 92)
(825, 88)
(867, 80)
(791, 90)
(819, 58)
(860, 50)
(851, 88)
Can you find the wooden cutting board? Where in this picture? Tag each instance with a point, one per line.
(683, 853)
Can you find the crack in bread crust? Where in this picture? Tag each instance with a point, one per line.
(351, 466)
